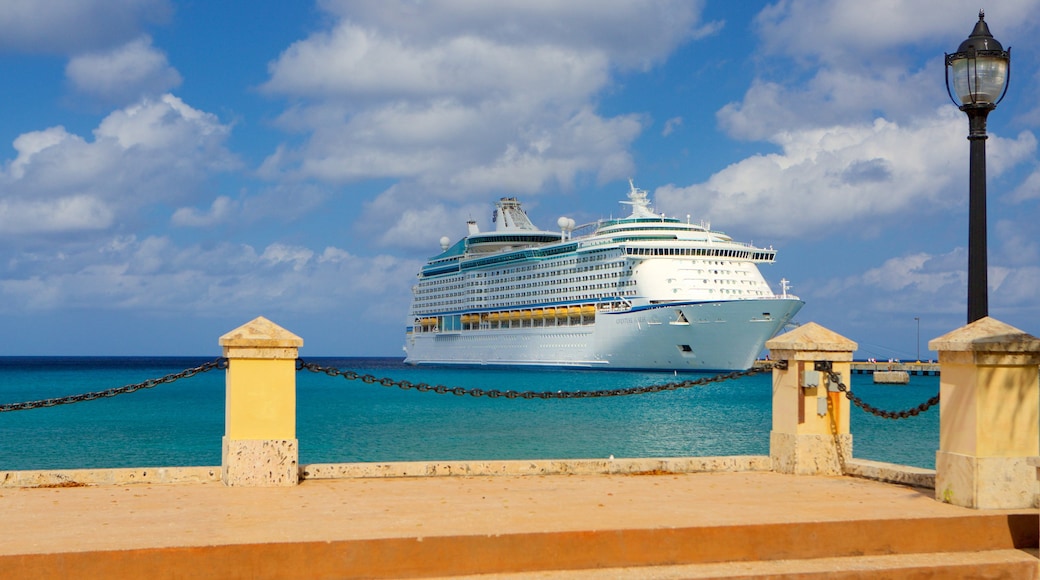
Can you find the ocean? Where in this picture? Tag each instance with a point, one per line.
(339, 421)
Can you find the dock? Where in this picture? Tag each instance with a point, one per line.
(911, 368)
(864, 367)
(869, 368)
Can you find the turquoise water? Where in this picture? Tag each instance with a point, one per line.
(182, 423)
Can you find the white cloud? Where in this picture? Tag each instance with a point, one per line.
(155, 151)
(413, 227)
(63, 214)
(72, 26)
(671, 125)
(833, 176)
(908, 283)
(458, 99)
(1017, 291)
(860, 61)
(360, 62)
(1028, 189)
(219, 211)
(854, 34)
(123, 74)
(279, 254)
(156, 275)
(29, 144)
(922, 283)
(1016, 246)
(638, 34)
(832, 97)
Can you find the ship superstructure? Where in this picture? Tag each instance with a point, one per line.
(641, 292)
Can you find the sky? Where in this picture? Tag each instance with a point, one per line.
(171, 169)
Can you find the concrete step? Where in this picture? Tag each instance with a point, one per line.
(424, 527)
(993, 565)
(979, 545)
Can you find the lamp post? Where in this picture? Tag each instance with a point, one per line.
(918, 320)
(980, 70)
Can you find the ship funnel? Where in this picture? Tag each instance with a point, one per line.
(509, 216)
(471, 225)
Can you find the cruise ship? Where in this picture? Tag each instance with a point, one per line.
(644, 292)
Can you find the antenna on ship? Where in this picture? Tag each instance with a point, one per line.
(784, 287)
(639, 200)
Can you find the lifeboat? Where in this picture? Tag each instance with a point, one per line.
(525, 314)
(493, 317)
(588, 310)
(574, 311)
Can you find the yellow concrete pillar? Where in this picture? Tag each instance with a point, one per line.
(989, 416)
(810, 433)
(260, 446)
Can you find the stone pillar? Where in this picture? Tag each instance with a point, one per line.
(988, 416)
(810, 433)
(260, 446)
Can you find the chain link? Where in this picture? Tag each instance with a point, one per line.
(495, 393)
(836, 379)
(832, 413)
(220, 363)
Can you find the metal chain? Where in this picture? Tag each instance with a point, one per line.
(836, 379)
(219, 363)
(495, 393)
(833, 415)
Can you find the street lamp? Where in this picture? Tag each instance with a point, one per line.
(980, 70)
(918, 319)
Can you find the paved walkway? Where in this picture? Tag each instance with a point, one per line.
(148, 516)
(135, 517)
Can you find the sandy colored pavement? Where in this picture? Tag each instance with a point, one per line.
(47, 520)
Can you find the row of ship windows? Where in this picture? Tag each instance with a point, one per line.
(431, 297)
(506, 298)
(423, 309)
(521, 298)
(687, 252)
(444, 298)
(556, 290)
(716, 272)
(554, 264)
(449, 300)
(558, 265)
(518, 283)
(457, 283)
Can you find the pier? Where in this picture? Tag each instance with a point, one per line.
(869, 368)
(808, 510)
(910, 368)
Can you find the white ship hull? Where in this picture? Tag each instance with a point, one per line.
(641, 292)
(712, 336)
